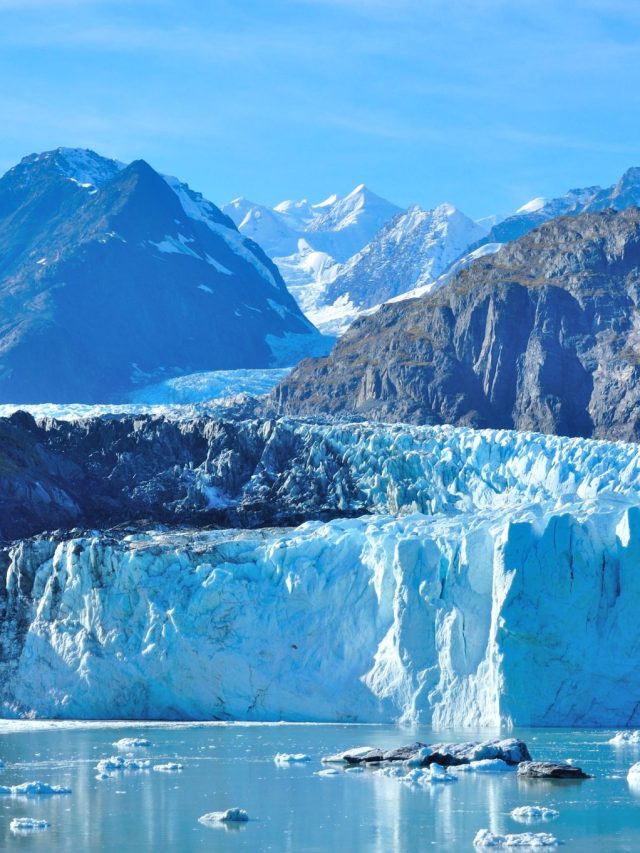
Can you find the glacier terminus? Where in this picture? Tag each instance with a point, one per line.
(440, 576)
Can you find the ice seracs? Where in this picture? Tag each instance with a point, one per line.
(445, 576)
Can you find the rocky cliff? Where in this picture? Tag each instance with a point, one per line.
(544, 336)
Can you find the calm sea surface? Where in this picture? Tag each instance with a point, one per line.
(291, 808)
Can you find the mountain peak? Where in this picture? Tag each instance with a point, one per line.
(80, 165)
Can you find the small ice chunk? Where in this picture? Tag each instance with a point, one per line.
(341, 757)
(392, 772)
(631, 736)
(435, 773)
(530, 814)
(169, 767)
(116, 763)
(129, 743)
(418, 757)
(485, 838)
(330, 771)
(485, 765)
(33, 789)
(291, 758)
(234, 815)
(25, 825)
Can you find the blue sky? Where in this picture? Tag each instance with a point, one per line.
(482, 103)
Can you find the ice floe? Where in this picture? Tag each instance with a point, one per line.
(486, 838)
(631, 736)
(531, 814)
(116, 763)
(33, 789)
(233, 815)
(285, 758)
(130, 743)
(27, 825)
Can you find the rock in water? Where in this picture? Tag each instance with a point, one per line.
(550, 770)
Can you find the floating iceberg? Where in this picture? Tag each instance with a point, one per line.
(433, 774)
(169, 767)
(27, 825)
(285, 758)
(129, 743)
(633, 775)
(116, 763)
(234, 815)
(485, 838)
(33, 789)
(531, 814)
(486, 765)
(627, 737)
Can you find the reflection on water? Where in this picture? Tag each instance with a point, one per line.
(292, 809)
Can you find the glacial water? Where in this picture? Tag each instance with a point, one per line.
(292, 809)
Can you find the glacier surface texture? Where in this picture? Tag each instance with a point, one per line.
(490, 578)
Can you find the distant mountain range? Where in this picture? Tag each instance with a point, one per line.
(112, 275)
(409, 253)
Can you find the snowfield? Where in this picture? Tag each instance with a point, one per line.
(493, 581)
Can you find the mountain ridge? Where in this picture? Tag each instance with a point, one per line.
(131, 274)
(570, 365)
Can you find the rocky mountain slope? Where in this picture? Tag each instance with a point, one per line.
(112, 274)
(625, 193)
(542, 335)
(433, 606)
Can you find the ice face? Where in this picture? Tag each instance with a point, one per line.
(514, 565)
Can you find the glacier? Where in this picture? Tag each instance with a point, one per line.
(488, 578)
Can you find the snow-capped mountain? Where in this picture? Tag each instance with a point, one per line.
(409, 251)
(337, 226)
(310, 242)
(112, 274)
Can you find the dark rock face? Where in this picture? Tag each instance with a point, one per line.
(111, 471)
(550, 770)
(543, 336)
(111, 273)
